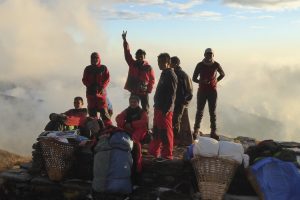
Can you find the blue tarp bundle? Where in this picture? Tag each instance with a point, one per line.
(278, 180)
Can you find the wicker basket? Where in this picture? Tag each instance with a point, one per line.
(58, 157)
(214, 175)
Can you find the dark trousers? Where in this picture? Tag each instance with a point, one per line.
(177, 115)
(211, 97)
(103, 114)
(144, 101)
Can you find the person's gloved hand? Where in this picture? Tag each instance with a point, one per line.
(128, 127)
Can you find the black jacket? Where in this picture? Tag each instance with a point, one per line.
(184, 92)
(165, 93)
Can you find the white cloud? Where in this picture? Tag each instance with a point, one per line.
(134, 13)
(37, 37)
(265, 17)
(199, 15)
(166, 4)
(270, 5)
(183, 6)
(113, 14)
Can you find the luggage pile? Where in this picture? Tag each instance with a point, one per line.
(273, 171)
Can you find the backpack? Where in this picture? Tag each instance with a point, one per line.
(113, 163)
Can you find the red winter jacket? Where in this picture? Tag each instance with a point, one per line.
(140, 79)
(96, 79)
(139, 124)
(76, 117)
(208, 75)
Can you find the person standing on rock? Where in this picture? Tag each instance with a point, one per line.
(205, 74)
(184, 95)
(161, 146)
(96, 79)
(140, 79)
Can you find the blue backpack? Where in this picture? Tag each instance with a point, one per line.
(277, 179)
(113, 164)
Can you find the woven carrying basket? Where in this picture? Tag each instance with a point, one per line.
(58, 157)
(214, 175)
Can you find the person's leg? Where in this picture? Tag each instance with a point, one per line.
(155, 144)
(212, 105)
(155, 147)
(167, 137)
(91, 105)
(105, 116)
(144, 102)
(137, 157)
(177, 115)
(201, 100)
(101, 106)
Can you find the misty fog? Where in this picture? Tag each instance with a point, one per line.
(44, 50)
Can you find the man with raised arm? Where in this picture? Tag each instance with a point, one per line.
(140, 79)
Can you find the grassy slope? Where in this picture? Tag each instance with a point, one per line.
(8, 160)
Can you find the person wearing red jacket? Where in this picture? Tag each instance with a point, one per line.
(134, 120)
(71, 119)
(96, 78)
(140, 79)
(205, 74)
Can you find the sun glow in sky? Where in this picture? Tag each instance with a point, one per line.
(45, 45)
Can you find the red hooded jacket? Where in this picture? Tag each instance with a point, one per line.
(96, 78)
(140, 79)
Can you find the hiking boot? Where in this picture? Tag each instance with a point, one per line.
(214, 136)
(196, 133)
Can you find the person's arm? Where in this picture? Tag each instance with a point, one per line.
(196, 74)
(151, 81)
(143, 122)
(221, 73)
(171, 85)
(86, 80)
(106, 78)
(120, 119)
(128, 57)
(188, 88)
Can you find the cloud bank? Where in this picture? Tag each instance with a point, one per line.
(269, 5)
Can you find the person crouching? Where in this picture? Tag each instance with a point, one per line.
(134, 120)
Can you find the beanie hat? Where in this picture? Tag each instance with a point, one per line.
(134, 97)
(209, 50)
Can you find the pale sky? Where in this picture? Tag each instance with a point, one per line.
(45, 45)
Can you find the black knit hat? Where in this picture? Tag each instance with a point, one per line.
(134, 97)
